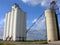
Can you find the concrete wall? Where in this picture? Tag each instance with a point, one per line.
(15, 27)
(20, 25)
(51, 25)
(7, 26)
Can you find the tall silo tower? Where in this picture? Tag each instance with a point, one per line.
(52, 23)
(15, 24)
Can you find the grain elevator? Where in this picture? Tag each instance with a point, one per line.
(15, 24)
(52, 23)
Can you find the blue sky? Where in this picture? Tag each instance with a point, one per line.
(33, 9)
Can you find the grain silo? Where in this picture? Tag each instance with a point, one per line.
(52, 24)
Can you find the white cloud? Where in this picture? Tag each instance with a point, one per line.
(25, 1)
(40, 24)
(2, 22)
(37, 31)
(33, 2)
(36, 2)
(1, 32)
(41, 2)
(34, 20)
(1, 27)
(59, 6)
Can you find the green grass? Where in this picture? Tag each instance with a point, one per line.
(34, 42)
(6, 44)
(1, 39)
(28, 42)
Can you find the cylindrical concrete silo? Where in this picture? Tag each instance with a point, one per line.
(51, 23)
(5, 27)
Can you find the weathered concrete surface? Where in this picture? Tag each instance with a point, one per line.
(51, 24)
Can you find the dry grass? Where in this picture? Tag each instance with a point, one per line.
(25, 42)
(34, 42)
(6, 44)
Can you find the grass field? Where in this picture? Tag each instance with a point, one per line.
(34, 42)
(6, 44)
(25, 42)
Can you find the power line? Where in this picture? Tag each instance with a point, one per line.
(35, 22)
